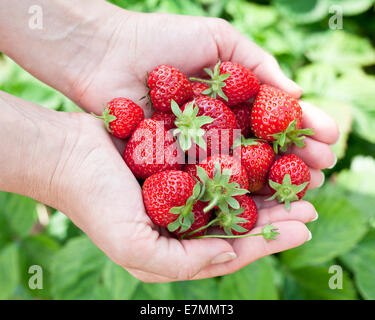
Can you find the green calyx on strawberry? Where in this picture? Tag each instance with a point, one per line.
(291, 135)
(230, 221)
(218, 191)
(189, 125)
(286, 191)
(107, 117)
(216, 83)
(185, 213)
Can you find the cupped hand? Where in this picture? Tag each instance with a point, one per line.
(113, 214)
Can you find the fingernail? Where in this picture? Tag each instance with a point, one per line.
(323, 179)
(310, 236)
(316, 216)
(224, 257)
(334, 163)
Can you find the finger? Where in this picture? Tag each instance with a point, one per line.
(292, 234)
(263, 65)
(163, 259)
(325, 127)
(300, 211)
(315, 154)
(317, 179)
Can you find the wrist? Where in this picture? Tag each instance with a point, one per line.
(35, 142)
(71, 42)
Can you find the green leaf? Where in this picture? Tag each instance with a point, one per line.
(118, 282)
(38, 250)
(312, 283)
(361, 261)
(307, 11)
(338, 230)
(342, 113)
(20, 213)
(250, 17)
(341, 50)
(359, 180)
(352, 7)
(154, 291)
(196, 290)
(253, 282)
(76, 268)
(315, 78)
(9, 270)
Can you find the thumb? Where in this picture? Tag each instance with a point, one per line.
(173, 260)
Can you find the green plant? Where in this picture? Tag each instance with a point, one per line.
(336, 70)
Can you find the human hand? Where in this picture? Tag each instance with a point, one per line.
(104, 199)
(165, 39)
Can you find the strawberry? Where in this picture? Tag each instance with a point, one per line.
(257, 158)
(239, 221)
(201, 219)
(198, 88)
(152, 149)
(205, 126)
(121, 116)
(168, 119)
(289, 177)
(242, 112)
(223, 178)
(231, 83)
(167, 83)
(277, 117)
(171, 201)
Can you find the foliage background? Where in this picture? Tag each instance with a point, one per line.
(336, 70)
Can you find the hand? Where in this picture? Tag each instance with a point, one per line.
(143, 41)
(100, 194)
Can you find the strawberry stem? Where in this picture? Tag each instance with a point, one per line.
(199, 229)
(269, 232)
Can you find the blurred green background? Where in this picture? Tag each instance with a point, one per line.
(336, 68)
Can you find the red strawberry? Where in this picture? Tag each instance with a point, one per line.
(169, 198)
(201, 219)
(231, 82)
(277, 117)
(239, 174)
(167, 83)
(289, 176)
(223, 178)
(205, 127)
(257, 158)
(167, 117)
(239, 221)
(198, 88)
(121, 116)
(152, 149)
(242, 112)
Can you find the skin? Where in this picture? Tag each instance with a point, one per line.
(100, 52)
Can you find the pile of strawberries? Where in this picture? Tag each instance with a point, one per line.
(208, 145)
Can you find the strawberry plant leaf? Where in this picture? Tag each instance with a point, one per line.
(338, 230)
(253, 282)
(312, 283)
(9, 270)
(361, 260)
(119, 283)
(78, 262)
